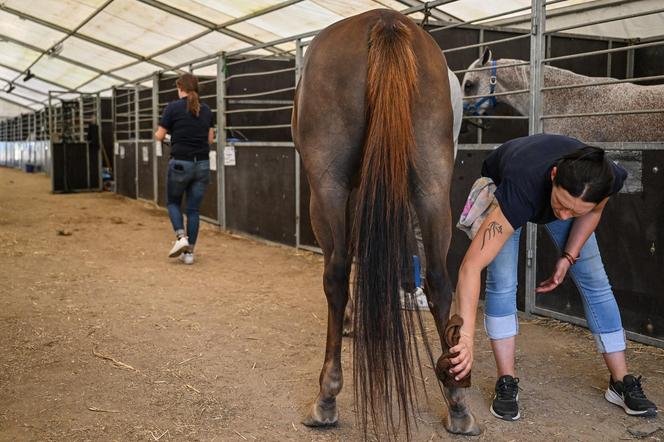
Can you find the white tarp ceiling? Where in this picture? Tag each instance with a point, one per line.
(91, 45)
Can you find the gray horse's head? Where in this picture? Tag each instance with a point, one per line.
(480, 84)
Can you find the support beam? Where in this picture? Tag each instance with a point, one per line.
(92, 40)
(64, 88)
(435, 13)
(211, 27)
(60, 57)
(4, 98)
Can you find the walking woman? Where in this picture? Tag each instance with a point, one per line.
(563, 184)
(190, 124)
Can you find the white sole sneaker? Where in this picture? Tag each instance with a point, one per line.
(506, 418)
(187, 258)
(616, 399)
(180, 246)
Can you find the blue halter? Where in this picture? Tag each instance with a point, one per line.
(473, 109)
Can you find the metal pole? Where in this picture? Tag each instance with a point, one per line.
(155, 123)
(113, 125)
(100, 140)
(298, 181)
(629, 72)
(221, 140)
(480, 50)
(81, 102)
(537, 48)
(136, 126)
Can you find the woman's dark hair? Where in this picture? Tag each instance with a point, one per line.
(189, 84)
(585, 173)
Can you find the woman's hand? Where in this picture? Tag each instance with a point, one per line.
(557, 278)
(463, 361)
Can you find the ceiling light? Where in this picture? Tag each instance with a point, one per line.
(28, 75)
(11, 88)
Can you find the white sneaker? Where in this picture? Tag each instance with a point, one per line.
(180, 246)
(187, 258)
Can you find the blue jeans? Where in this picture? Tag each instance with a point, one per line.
(193, 178)
(588, 274)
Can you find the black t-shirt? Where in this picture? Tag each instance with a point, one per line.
(189, 134)
(521, 169)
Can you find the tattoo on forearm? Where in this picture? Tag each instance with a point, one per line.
(491, 231)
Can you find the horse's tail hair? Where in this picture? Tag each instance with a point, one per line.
(383, 355)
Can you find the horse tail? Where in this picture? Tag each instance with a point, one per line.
(383, 356)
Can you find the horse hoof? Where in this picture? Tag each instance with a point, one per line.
(321, 416)
(463, 424)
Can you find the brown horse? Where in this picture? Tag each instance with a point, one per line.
(373, 116)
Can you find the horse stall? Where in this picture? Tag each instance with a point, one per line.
(164, 87)
(75, 161)
(124, 146)
(260, 165)
(632, 229)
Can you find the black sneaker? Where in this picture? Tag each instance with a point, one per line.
(506, 401)
(629, 395)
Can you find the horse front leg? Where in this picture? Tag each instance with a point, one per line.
(434, 218)
(323, 412)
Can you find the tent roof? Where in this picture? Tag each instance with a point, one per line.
(91, 45)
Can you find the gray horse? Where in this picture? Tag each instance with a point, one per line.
(591, 99)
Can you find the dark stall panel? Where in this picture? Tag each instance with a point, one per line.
(107, 132)
(125, 164)
(260, 193)
(69, 167)
(631, 241)
(145, 170)
(237, 86)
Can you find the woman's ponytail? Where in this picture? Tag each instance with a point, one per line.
(193, 103)
(189, 84)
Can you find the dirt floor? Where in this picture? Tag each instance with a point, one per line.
(104, 338)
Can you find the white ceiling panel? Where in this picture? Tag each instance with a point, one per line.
(62, 72)
(94, 55)
(138, 27)
(27, 31)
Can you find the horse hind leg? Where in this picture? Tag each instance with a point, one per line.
(328, 221)
(435, 223)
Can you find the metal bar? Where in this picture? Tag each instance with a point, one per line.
(272, 126)
(606, 51)
(499, 94)
(603, 83)
(221, 140)
(486, 68)
(311, 248)
(270, 109)
(594, 114)
(246, 60)
(582, 322)
(534, 127)
(212, 80)
(260, 101)
(606, 20)
(258, 94)
(495, 117)
(255, 74)
(262, 143)
(482, 44)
